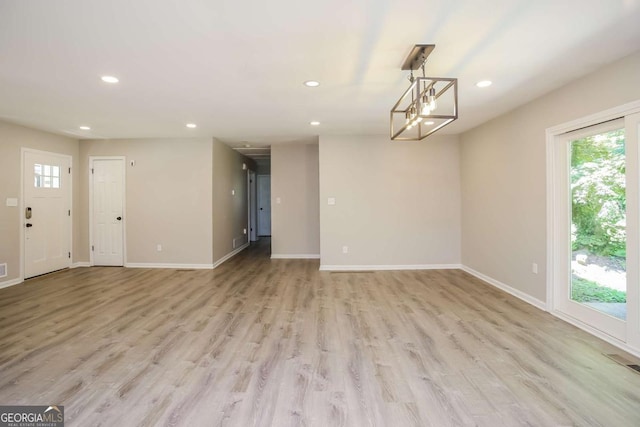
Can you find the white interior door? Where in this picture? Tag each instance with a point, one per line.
(264, 205)
(47, 212)
(107, 211)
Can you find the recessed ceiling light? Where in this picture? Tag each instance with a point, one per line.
(191, 125)
(427, 123)
(314, 123)
(311, 83)
(484, 83)
(109, 79)
(85, 128)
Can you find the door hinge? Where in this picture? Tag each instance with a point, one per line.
(91, 171)
(69, 212)
(69, 254)
(69, 170)
(92, 248)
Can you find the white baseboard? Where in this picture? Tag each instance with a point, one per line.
(389, 267)
(80, 264)
(508, 289)
(169, 265)
(595, 332)
(295, 256)
(230, 255)
(11, 282)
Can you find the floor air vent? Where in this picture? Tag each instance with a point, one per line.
(634, 367)
(3, 270)
(624, 362)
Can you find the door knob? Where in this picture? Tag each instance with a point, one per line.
(119, 218)
(28, 225)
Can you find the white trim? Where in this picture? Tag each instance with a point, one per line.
(11, 283)
(506, 288)
(80, 264)
(168, 265)
(230, 255)
(325, 267)
(596, 332)
(594, 119)
(295, 256)
(124, 205)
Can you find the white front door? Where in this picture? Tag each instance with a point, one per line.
(264, 205)
(107, 211)
(47, 212)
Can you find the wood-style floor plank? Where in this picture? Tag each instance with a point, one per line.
(261, 342)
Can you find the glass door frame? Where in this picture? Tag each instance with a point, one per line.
(624, 334)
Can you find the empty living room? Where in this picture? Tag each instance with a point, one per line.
(350, 213)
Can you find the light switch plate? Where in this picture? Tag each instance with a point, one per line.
(12, 201)
(331, 201)
(278, 200)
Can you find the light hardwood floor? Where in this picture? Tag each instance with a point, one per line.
(276, 342)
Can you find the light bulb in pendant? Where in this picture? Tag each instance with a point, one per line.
(426, 110)
(432, 99)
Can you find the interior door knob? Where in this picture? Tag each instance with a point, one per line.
(119, 218)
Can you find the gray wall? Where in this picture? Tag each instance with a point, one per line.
(504, 176)
(229, 211)
(168, 198)
(397, 203)
(295, 221)
(12, 138)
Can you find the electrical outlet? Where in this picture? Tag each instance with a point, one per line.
(159, 247)
(534, 268)
(244, 231)
(345, 249)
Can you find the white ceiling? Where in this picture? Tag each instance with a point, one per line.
(236, 68)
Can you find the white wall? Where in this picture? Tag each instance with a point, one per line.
(168, 198)
(12, 139)
(503, 176)
(397, 203)
(295, 221)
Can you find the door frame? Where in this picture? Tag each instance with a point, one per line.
(23, 257)
(252, 206)
(553, 135)
(258, 199)
(124, 206)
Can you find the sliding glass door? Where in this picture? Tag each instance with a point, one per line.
(595, 227)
